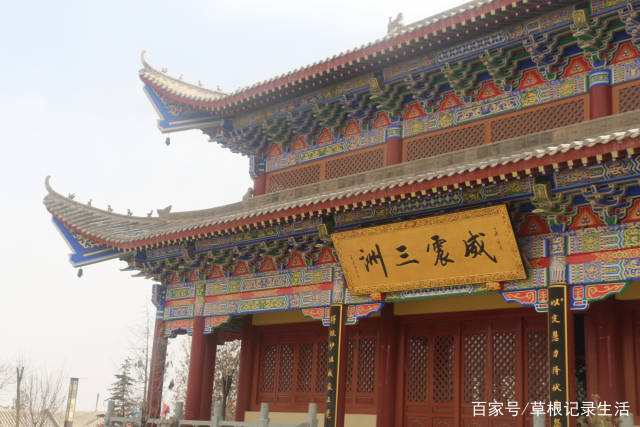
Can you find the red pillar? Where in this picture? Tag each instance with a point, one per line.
(600, 94)
(385, 412)
(196, 362)
(243, 402)
(208, 371)
(604, 359)
(394, 145)
(260, 184)
(156, 377)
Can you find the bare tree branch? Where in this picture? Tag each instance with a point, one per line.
(6, 375)
(43, 395)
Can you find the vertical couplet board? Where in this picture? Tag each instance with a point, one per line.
(336, 366)
(559, 366)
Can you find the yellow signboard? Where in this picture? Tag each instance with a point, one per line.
(475, 246)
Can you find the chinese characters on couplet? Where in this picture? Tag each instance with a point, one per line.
(558, 362)
(551, 409)
(474, 247)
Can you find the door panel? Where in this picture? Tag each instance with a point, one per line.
(451, 364)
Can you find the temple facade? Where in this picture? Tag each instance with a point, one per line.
(444, 228)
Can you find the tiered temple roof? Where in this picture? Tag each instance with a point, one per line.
(456, 24)
(499, 161)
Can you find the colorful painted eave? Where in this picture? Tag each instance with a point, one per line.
(390, 47)
(507, 159)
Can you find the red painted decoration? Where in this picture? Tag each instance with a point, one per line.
(326, 256)
(267, 265)
(625, 52)
(450, 100)
(585, 218)
(530, 78)
(297, 260)
(577, 65)
(534, 225)
(381, 121)
(352, 128)
(634, 212)
(241, 268)
(274, 150)
(216, 272)
(325, 137)
(489, 90)
(414, 111)
(300, 144)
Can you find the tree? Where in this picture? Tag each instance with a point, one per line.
(19, 375)
(42, 395)
(225, 386)
(122, 390)
(179, 362)
(6, 375)
(227, 363)
(141, 340)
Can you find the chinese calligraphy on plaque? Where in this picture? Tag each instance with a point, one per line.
(467, 247)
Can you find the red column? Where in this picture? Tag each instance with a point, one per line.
(603, 333)
(600, 94)
(385, 413)
(245, 375)
(156, 377)
(260, 184)
(196, 362)
(208, 371)
(394, 145)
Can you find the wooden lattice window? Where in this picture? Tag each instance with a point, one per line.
(538, 119)
(291, 371)
(321, 366)
(629, 98)
(417, 357)
(504, 366)
(355, 163)
(366, 365)
(292, 361)
(305, 367)
(474, 365)
(537, 365)
(293, 177)
(444, 142)
(443, 368)
(362, 351)
(268, 364)
(285, 368)
(349, 374)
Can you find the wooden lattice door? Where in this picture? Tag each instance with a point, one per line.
(450, 363)
(430, 376)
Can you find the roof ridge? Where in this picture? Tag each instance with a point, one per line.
(389, 36)
(51, 193)
(149, 70)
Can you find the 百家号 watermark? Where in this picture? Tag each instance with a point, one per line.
(553, 409)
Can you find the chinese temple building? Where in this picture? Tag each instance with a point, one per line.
(441, 219)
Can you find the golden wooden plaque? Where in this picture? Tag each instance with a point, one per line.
(475, 246)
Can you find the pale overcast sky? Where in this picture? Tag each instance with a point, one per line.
(72, 106)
